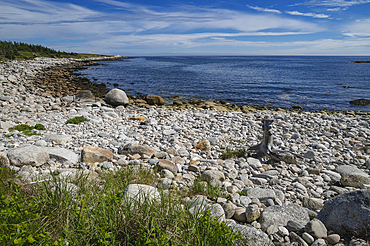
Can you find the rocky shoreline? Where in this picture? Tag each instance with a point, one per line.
(322, 198)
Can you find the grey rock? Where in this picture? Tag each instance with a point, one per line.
(295, 226)
(229, 210)
(252, 236)
(308, 238)
(216, 211)
(30, 155)
(41, 143)
(240, 214)
(244, 200)
(209, 175)
(166, 164)
(298, 239)
(62, 155)
(280, 215)
(316, 228)
(169, 132)
(309, 154)
(348, 214)
(350, 170)
(133, 148)
(139, 193)
(252, 213)
(116, 97)
(5, 125)
(358, 242)
(312, 204)
(84, 96)
(261, 194)
(319, 242)
(59, 139)
(333, 239)
(4, 161)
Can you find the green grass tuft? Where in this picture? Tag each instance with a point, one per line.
(230, 153)
(76, 120)
(27, 129)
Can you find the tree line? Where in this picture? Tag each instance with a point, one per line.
(11, 50)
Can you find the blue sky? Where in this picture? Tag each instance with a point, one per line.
(226, 27)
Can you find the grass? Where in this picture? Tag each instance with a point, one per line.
(95, 214)
(233, 153)
(76, 120)
(27, 129)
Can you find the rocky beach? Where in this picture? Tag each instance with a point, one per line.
(318, 193)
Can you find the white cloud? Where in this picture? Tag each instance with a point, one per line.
(334, 3)
(322, 16)
(275, 11)
(334, 9)
(358, 28)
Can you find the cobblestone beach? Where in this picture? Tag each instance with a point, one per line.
(318, 194)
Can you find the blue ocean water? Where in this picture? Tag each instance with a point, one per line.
(314, 83)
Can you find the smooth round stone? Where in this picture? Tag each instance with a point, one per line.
(308, 238)
(300, 186)
(153, 161)
(270, 202)
(41, 143)
(333, 239)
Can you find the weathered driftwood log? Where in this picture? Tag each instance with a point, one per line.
(265, 147)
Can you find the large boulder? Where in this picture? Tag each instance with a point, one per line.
(352, 176)
(116, 97)
(30, 155)
(154, 100)
(132, 148)
(348, 214)
(280, 215)
(95, 154)
(62, 155)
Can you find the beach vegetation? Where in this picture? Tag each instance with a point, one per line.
(76, 120)
(27, 129)
(233, 153)
(51, 213)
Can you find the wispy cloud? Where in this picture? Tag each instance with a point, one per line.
(334, 9)
(275, 11)
(314, 15)
(360, 28)
(334, 3)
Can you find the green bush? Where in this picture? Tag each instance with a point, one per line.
(76, 120)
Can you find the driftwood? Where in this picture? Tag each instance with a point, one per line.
(265, 148)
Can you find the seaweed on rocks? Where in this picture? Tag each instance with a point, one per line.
(62, 80)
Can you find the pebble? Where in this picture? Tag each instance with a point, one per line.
(168, 139)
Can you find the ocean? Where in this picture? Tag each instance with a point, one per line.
(312, 82)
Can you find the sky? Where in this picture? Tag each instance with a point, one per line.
(182, 27)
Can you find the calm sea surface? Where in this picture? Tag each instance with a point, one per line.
(279, 81)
